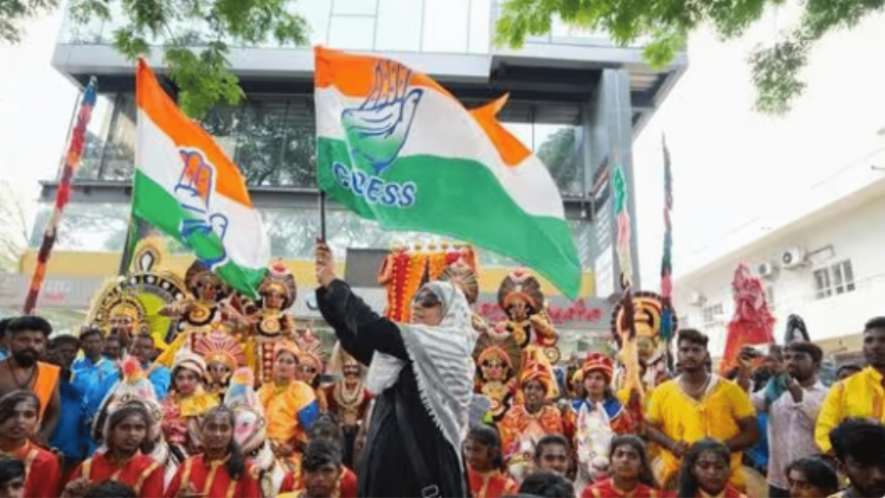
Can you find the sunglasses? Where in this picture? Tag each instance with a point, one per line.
(427, 300)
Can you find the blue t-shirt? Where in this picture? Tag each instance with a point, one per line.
(71, 436)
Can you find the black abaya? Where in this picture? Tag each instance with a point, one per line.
(385, 469)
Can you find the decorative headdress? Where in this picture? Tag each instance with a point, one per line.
(190, 361)
(521, 285)
(134, 387)
(341, 359)
(596, 362)
(278, 278)
(504, 350)
(312, 351)
(646, 317)
(286, 345)
(461, 274)
(218, 346)
(537, 368)
(198, 275)
(116, 298)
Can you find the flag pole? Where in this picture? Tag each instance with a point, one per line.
(323, 215)
(62, 195)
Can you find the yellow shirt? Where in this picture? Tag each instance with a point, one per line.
(715, 415)
(860, 395)
(282, 407)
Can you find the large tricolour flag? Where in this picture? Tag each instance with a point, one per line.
(186, 187)
(396, 147)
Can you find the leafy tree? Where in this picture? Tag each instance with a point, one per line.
(13, 12)
(559, 153)
(195, 36)
(13, 228)
(667, 23)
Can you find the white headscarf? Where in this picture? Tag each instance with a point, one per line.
(442, 359)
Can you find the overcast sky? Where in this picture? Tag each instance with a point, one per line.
(730, 164)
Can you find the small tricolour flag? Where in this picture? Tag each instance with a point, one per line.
(186, 187)
(396, 147)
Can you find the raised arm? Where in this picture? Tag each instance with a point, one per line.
(360, 330)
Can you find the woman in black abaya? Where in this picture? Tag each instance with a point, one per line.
(422, 376)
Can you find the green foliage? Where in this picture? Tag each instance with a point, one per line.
(196, 37)
(13, 12)
(665, 24)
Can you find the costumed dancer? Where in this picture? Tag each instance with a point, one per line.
(223, 354)
(498, 363)
(312, 365)
(521, 299)
(652, 349)
(204, 311)
(135, 389)
(524, 424)
(221, 470)
(593, 420)
(347, 397)
(186, 403)
(422, 375)
(289, 405)
(270, 321)
(251, 433)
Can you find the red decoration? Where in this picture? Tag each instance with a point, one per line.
(753, 322)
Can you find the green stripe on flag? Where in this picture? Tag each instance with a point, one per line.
(459, 198)
(158, 207)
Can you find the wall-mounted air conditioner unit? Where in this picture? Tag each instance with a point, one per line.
(766, 270)
(793, 258)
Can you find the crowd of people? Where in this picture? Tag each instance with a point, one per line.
(210, 394)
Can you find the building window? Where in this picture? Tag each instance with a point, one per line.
(712, 314)
(832, 280)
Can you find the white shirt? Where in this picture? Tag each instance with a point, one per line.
(790, 429)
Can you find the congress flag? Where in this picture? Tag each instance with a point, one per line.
(186, 187)
(396, 147)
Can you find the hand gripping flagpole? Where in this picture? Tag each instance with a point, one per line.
(62, 195)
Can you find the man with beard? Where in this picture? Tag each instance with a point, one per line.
(793, 399)
(697, 405)
(860, 396)
(27, 338)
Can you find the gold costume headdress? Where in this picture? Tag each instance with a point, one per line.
(312, 351)
(116, 299)
(521, 285)
(141, 294)
(198, 276)
(218, 346)
(647, 317)
(490, 349)
(279, 279)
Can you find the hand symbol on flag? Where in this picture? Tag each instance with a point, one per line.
(378, 129)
